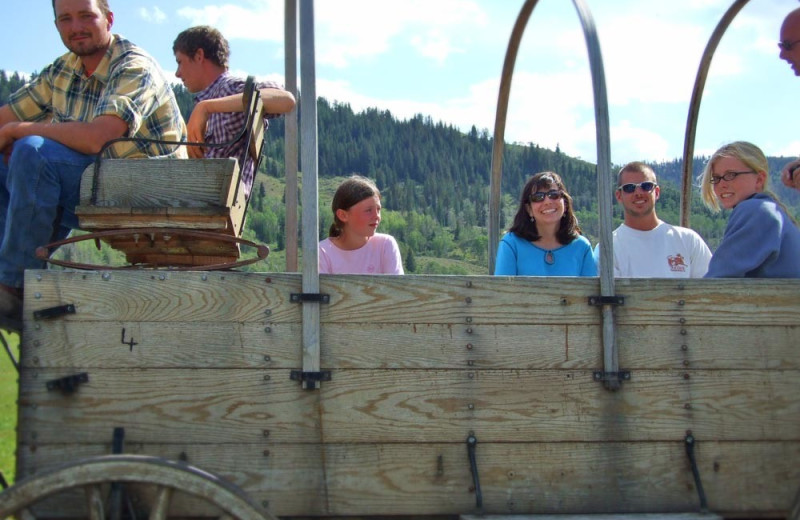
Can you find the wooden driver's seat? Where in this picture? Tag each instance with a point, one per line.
(173, 212)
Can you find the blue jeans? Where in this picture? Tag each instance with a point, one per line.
(39, 189)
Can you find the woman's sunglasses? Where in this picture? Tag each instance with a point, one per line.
(540, 195)
(646, 186)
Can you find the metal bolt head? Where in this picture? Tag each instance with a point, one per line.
(471, 406)
(204, 277)
(106, 276)
(37, 295)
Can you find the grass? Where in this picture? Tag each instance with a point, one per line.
(8, 408)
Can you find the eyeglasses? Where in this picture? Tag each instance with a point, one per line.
(646, 186)
(728, 176)
(540, 195)
(787, 46)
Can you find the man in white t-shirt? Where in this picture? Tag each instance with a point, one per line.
(644, 245)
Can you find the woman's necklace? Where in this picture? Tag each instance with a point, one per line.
(549, 258)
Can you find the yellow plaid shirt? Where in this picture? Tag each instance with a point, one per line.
(127, 83)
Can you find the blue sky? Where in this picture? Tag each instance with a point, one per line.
(443, 58)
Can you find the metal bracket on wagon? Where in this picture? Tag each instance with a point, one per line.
(599, 301)
(54, 312)
(310, 378)
(309, 297)
(68, 384)
(622, 375)
(472, 444)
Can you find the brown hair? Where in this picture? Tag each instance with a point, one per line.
(636, 167)
(215, 46)
(349, 193)
(525, 228)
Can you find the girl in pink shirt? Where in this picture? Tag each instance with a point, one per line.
(353, 246)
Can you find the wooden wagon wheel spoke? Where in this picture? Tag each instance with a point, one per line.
(161, 504)
(167, 476)
(94, 502)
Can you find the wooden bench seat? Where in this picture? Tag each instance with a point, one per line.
(166, 196)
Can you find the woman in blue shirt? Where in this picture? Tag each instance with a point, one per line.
(545, 238)
(761, 240)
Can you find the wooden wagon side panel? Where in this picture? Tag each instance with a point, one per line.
(516, 478)
(198, 365)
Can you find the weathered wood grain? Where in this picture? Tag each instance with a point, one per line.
(425, 299)
(480, 300)
(233, 344)
(160, 183)
(418, 363)
(373, 406)
(740, 478)
(164, 296)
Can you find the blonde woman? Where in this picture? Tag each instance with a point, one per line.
(761, 240)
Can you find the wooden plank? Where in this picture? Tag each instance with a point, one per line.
(740, 478)
(486, 299)
(211, 221)
(369, 406)
(493, 300)
(76, 345)
(70, 343)
(160, 182)
(164, 296)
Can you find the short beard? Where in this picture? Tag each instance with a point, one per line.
(82, 50)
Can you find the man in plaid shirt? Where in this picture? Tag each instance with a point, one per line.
(53, 127)
(202, 54)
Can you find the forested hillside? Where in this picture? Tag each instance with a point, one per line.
(434, 181)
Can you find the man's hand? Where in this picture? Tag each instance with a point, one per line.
(790, 174)
(196, 130)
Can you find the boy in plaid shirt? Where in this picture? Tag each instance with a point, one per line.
(202, 55)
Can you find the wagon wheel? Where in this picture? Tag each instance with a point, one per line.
(167, 477)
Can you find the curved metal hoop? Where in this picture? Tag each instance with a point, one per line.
(168, 475)
(694, 107)
(610, 354)
(601, 118)
(262, 251)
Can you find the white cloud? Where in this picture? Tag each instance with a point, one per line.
(435, 45)
(261, 21)
(154, 15)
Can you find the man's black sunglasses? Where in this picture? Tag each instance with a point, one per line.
(646, 186)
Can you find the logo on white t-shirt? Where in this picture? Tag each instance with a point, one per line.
(677, 263)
